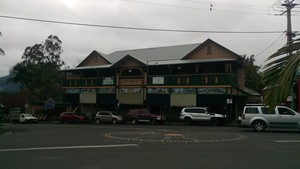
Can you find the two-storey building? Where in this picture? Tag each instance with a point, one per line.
(162, 79)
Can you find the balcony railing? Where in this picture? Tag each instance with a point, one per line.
(165, 80)
(188, 80)
(90, 82)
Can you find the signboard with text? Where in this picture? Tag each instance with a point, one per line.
(125, 82)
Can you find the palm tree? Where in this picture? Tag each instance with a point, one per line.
(280, 72)
(1, 50)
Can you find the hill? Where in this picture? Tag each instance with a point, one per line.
(8, 87)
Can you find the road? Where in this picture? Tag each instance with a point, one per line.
(89, 146)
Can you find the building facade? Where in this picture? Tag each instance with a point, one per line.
(162, 79)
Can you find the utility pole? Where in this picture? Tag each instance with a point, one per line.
(289, 5)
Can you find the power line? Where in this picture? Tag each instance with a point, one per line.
(197, 8)
(268, 47)
(139, 28)
(258, 7)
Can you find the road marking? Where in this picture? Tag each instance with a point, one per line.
(67, 147)
(288, 141)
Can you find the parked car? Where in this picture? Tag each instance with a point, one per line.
(192, 115)
(260, 117)
(27, 118)
(135, 116)
(108, 117)
(71, 117)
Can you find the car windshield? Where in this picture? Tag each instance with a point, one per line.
(144, 112)
(28, 115)
(115, 113)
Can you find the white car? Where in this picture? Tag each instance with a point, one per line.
(260, 117)
(27, 118)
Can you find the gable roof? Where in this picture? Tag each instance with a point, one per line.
(159, 55)
(130, 57)
(93, 53)
(155, 54)
(207, 42)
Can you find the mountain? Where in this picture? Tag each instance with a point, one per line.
(8, 87)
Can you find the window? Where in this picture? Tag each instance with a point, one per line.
(266, 110)
(195, 110)
(285, 111)
(228, 68)
(104, 113)
(200, 111)
(253, 110)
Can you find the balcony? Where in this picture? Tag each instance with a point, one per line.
(157, 80)
(90, 82)
(191, 80)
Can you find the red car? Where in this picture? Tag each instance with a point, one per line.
(135, 116)
(71, 117)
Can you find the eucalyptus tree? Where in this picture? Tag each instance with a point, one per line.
(279, 73)
(39, 70)
(253, 74)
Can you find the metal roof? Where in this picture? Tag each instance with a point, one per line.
(88, 67)
(154, 54)
(172, 62)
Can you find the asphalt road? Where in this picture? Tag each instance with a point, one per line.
(87, 146)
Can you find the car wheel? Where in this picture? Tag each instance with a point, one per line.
(215, 122)
(259, 126)
(188, 121)
(153, 121)
(76, 121)
(114, 121)
(134, 121)
(98, 121)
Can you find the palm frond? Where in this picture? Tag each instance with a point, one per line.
(2, 52)
(279, 73)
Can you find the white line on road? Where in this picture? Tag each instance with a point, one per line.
(67, 147)
(288, 141)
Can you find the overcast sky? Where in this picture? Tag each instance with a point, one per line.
(195, 15)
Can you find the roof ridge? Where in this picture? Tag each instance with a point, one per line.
(138, 49)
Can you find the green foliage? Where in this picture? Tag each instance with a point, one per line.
(279, 73)
(253, 77)
(40, 69)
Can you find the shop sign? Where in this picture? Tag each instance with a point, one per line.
(125, 82)
(158, 80)
(88, 91)
(131, 90)
(183, 91)
(108, 81)
(106, 91)
(158, 91)
(211, 91)
(72, 91)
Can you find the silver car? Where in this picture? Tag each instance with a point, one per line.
(107, 117)
(260, 117)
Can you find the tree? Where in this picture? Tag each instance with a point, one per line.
(280, 72)
(39, 72)
(1, 50)
(253, 75)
